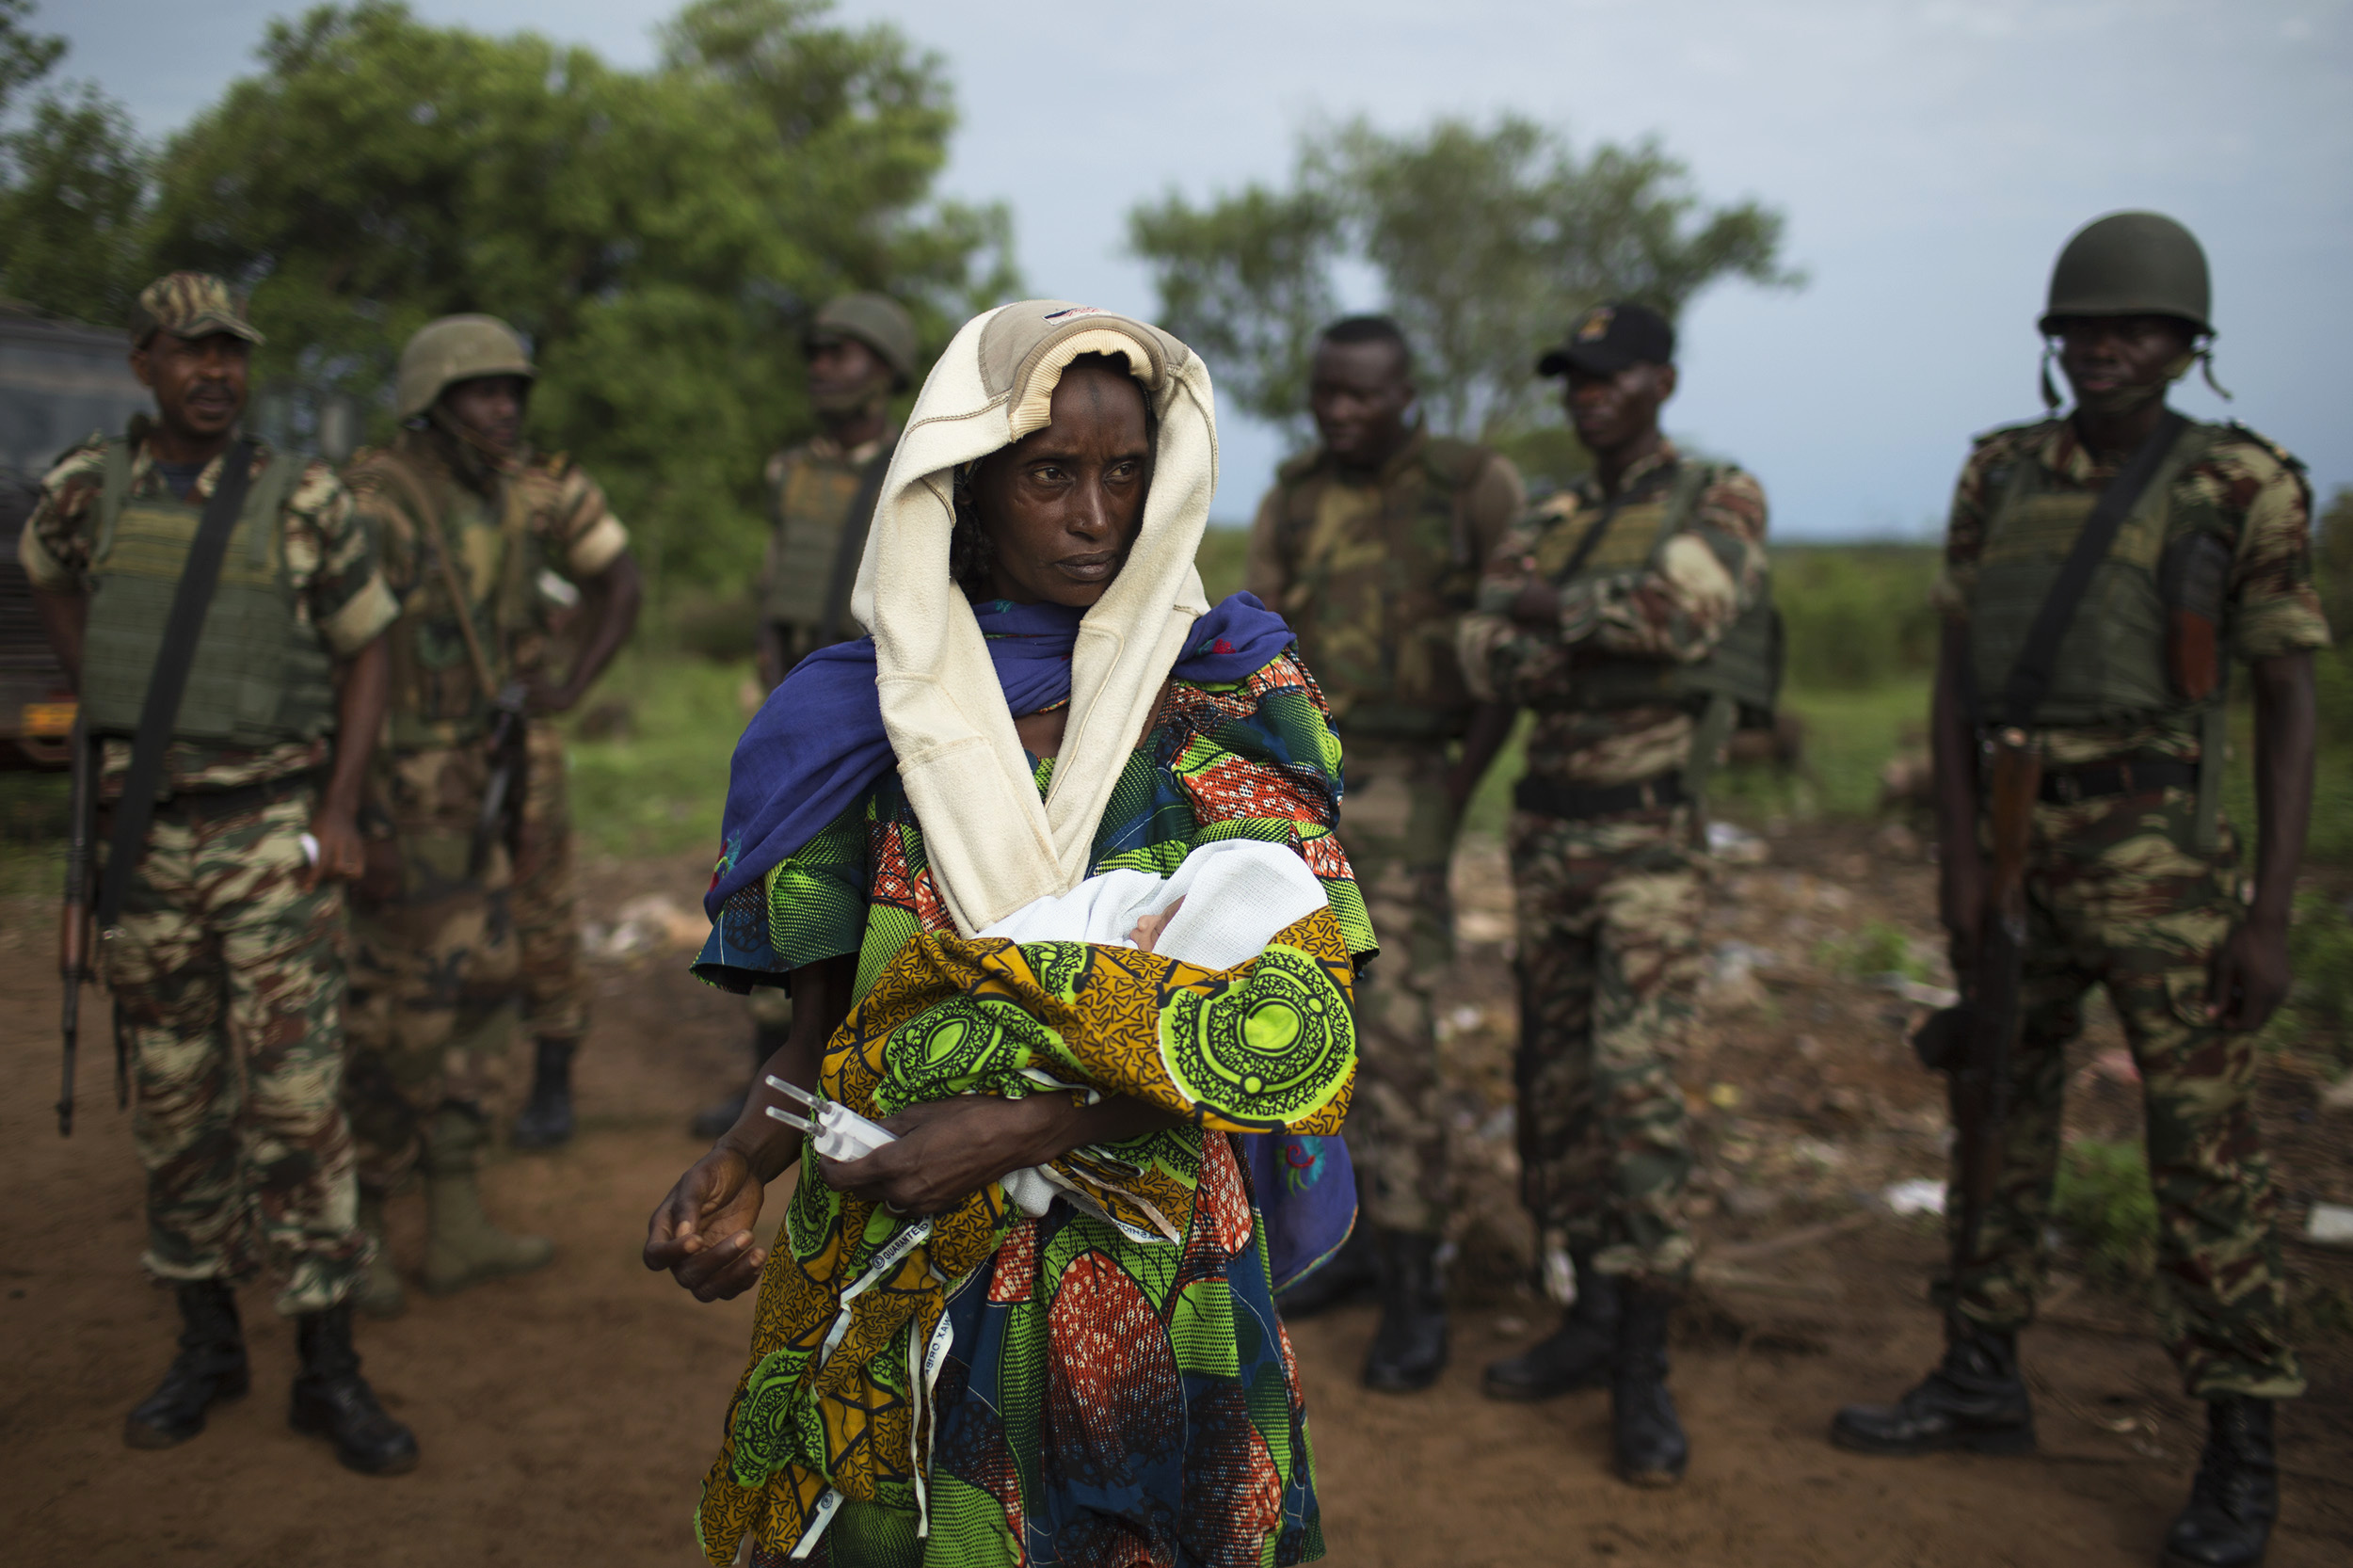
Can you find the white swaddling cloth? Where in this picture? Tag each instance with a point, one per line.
(1236, 893)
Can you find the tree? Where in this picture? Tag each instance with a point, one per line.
(72, 180)
(1486, 242)
(658, 236)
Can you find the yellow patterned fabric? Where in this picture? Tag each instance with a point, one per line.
(850, 1324)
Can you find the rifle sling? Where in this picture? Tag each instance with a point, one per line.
(846, 555)
(169, 683)
(2030, 678)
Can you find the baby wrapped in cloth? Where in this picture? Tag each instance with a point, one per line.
(1234, 978)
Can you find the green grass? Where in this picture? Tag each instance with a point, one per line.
(659, 788)
(2104, 1205)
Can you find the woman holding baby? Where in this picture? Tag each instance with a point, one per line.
(947, 840)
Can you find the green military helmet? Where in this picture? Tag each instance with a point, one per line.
(2131, 265)
(454, 349)
(876, 320)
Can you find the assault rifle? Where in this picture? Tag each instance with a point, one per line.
(1973, 1042)
(501, 800)
(73, 926)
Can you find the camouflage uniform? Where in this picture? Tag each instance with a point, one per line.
(228, 976)
(438, 951)
(1609, 905)
(1373, 573)
(2120, 894)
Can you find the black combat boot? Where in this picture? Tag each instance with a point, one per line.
(1409, 1348)
(1347, 1273)
(1644, 1429)
(712, 1120)
(209, 1368)
(546, 1121)
(2236, 1494)
(1974, 1400)
(332, 1401)
(1580, 1354)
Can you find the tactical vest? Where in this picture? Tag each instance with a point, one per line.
(809, 506)
(1375, 607)
(476, 562)
(2116, 665)
(260, 677)
(1745, 666)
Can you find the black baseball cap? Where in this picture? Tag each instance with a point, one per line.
(1608, 338)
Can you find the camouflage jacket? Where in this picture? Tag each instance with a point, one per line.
(330, 560)
(810, 488)
(517, 534)
(1677, 607)
(2258, 489)
(1374, 572)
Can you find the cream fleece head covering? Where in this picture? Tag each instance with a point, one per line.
(993, 847)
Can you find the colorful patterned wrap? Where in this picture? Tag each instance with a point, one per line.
(1022, 1386)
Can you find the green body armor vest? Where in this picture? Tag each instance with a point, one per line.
(1745, 666)
(2112, 667)
(260, 678)
(1375, 609)
(809, 510)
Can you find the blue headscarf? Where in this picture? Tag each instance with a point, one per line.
(817, 743)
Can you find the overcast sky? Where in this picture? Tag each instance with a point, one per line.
(1932, 156)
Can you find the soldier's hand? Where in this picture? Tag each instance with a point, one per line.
(1537, 605)
(541, 697)
(342, 853)
(2249, 977)
(702, 1232)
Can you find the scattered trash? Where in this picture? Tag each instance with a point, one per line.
(1736, 845)
(1920, 1195)
(2331, 1224)
(2337, 1095)
(644, 925)
(1916, 991)
(1725, 1097)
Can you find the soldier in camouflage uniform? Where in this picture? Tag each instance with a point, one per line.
(227, 964)
(1369, 546)
(1629, 612)
(2132, 878)
(467, 525)
(862, 350)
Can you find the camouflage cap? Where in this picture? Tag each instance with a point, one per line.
(191, 305)
(876, 320)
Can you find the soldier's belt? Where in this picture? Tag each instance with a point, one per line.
(2096, 781)
(1573, 802)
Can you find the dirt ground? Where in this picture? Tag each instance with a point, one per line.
(566, 1417)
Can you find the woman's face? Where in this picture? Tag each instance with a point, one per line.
(1061, 506)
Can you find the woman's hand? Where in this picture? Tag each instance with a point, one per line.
(950, 1149)
(702, 1232)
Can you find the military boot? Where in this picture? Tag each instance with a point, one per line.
(2236, 1494)
(1580, 1354)
(378, 1292)
(1644, 1429)
(332, 1401)
(545, 1120)
(209, 1368)
(1975, 1400)
(712, 1120)
(462, 1247)
(1409, 1348)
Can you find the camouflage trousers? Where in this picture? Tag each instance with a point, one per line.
(2118, 897)
(1609, 914)
(1398, 827)
(545, 902)
(435, 962)
(228, 979)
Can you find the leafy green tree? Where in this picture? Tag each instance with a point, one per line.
(1486, 241)
(658, 236)
(72, 179)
